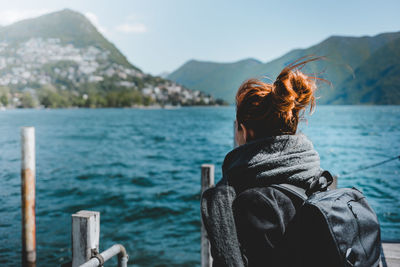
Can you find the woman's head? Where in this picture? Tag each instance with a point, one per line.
(264, 109)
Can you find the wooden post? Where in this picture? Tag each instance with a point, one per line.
(207, 181)
(234, 135)
(28, 169)
(85, 235)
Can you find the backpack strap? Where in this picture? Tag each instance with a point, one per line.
(292, 190)
(319, 183)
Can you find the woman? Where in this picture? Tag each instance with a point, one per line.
(246, 219)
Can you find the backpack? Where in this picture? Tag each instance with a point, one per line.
(333, 227)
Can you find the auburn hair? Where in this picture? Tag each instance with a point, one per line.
(275, 109)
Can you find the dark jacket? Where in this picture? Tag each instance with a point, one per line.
(245, 218)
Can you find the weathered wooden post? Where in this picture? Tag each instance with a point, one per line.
(85, 236)
(234, 134)
(28, 169)
(207, 181)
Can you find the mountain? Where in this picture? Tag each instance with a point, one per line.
(376, 80)
(219, 78)
(347, 59)
(60, 60)
(69, 26)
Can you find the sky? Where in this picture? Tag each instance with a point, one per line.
(160, 35)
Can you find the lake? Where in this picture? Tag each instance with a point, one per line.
(141, 170)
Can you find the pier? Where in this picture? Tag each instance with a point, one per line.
(85, 225)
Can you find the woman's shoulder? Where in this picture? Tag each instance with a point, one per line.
(263, 210)
(225, 195)
(262, 199)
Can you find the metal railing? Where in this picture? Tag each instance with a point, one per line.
(99, 259)
(85, 224)
(85, 242)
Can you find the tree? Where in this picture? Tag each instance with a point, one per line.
(4, 100)
(27, 101)
(4, 92)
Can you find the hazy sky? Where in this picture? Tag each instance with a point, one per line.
(160, 36)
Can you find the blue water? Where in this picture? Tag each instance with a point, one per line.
(141, 170)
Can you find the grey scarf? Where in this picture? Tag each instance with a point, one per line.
(272, 160)
(279, 159)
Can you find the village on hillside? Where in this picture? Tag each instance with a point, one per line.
(47, 65)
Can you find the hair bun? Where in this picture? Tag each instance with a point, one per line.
(293, 91)
(274, 109)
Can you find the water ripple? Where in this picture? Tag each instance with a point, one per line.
(141, 170)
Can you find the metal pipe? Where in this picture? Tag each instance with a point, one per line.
(117, 249)
(122, 257)
(28, 196)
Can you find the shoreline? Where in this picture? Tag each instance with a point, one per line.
(171, 107)
(150, 107)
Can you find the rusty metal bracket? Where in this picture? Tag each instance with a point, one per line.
(97, 255)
